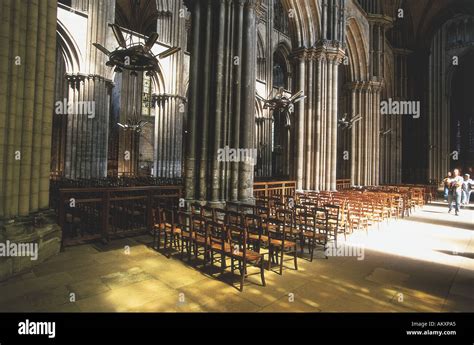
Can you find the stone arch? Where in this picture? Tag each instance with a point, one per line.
(305, 23)
(282, 53)
(357, 52)
(261, 61)
(69, 49)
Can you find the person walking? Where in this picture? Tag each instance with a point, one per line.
(455, 189)
(446, 185)
(467, 184)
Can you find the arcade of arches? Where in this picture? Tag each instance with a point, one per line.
(235, 57)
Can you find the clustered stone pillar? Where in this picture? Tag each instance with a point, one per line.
(27, 75)
(365, 156)
(169, 112)
(317, 117)
(27, 72)
(170, 105)
(391, 142)
(366, 164)
(222, 99)
(438, 119)
(317, 68)
(130, 85)
(264, 122)
(87, 134)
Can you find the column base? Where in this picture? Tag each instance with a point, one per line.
(40, 236)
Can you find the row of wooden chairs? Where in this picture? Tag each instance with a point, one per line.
(242, 234)
(212, 239)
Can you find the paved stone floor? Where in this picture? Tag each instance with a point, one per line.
(423, 263)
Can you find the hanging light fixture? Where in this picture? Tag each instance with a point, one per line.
(280, 102)
(346, 123)
(134, 56)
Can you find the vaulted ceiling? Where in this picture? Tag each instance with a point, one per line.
(426, 17)
(137, 15)
(423, 17)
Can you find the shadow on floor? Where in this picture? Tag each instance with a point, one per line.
(442, 222)
(466, 255)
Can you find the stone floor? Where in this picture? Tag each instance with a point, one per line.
(423, 263)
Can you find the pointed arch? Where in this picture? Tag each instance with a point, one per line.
(69, 49)
(357, 51)
(305, 22)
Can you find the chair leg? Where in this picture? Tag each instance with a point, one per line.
(262, 272)
(302, 243)
(270, 255)
(206, 256)
(189, 246)
(242, 278)
(223, 263)
(281, 261)
(296, 259)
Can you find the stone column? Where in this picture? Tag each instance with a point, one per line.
(334, 116)
(300, 125)
(438, 119)
(318, 143)
(221, 117)
(27, 75)
(27, 62)
(309, 146)
(87, 134)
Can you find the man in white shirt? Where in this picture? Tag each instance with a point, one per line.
(455, 190)
(467, 184)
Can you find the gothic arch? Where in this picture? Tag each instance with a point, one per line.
(357, 52)
(69, 49)
(281, 55)
(305, 23)
(261, 61)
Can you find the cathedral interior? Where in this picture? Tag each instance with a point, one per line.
(222, 155)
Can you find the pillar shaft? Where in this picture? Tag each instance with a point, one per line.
(226, 113)
(27, 72)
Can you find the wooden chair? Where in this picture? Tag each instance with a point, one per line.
(164, 226)
(200, 237)
(233, 218)
(282, 240)
(262, 211)
(220, 215)
(184, 223)
(208, 213)
(257, 237)
(356, 217)
(218, 243)
(239, 252)
(196, 208)
(336, 221)
(315, 229)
